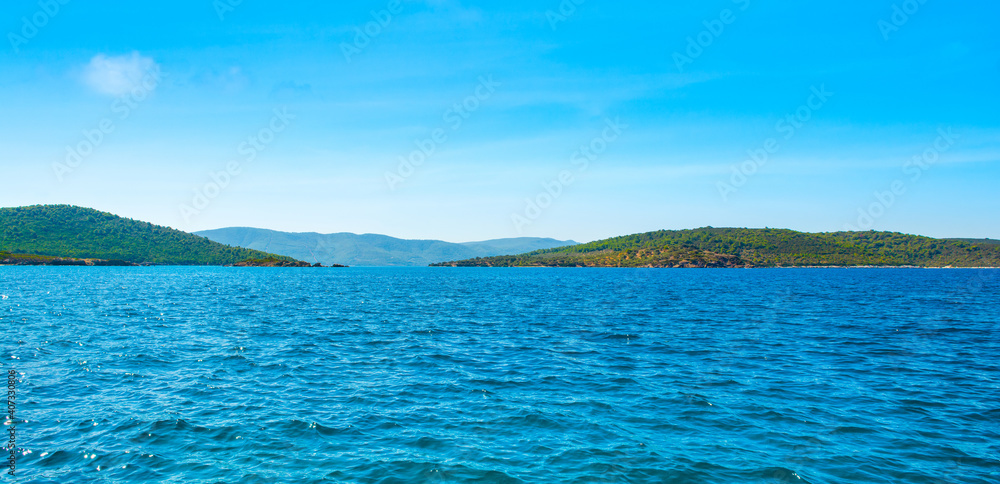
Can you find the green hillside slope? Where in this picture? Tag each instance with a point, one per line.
(712, 247)
(83, 233)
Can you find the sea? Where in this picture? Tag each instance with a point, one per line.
(488, 375)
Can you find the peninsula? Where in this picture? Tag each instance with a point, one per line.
(749, 248)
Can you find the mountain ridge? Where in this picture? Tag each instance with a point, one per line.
(367, 250)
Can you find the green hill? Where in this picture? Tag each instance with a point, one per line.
(712, 247)
(83, 233)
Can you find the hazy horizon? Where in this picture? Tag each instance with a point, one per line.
(611, 120)
(360, 234)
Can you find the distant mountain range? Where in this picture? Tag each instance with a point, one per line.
(372, 250)
(59, 233)
(729, 247)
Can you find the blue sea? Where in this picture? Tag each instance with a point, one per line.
(425, 375)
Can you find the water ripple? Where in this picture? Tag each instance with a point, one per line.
(503, 376)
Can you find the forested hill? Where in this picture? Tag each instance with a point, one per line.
(83, 233)
(714, 247)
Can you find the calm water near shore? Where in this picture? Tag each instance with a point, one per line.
(503, 375)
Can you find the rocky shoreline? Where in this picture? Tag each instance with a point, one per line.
(7, 259)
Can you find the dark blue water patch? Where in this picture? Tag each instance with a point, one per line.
(504, 375)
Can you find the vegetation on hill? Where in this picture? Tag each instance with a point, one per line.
(714, 247)
(978, 241)
(65, 231)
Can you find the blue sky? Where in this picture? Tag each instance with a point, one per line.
(136, 109)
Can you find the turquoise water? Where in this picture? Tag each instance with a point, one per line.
(503, 375)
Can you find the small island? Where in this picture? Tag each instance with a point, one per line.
(274, 262)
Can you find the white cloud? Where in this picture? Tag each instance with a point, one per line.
(118, 75)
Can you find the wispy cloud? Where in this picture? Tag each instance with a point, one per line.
(291, 89)
(118, 75)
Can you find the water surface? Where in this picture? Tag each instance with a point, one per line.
(504, 375)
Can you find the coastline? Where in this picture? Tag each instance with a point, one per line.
(715, 268)
(63, 262)
(9, 259)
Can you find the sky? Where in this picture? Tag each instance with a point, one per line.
(463, 121)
